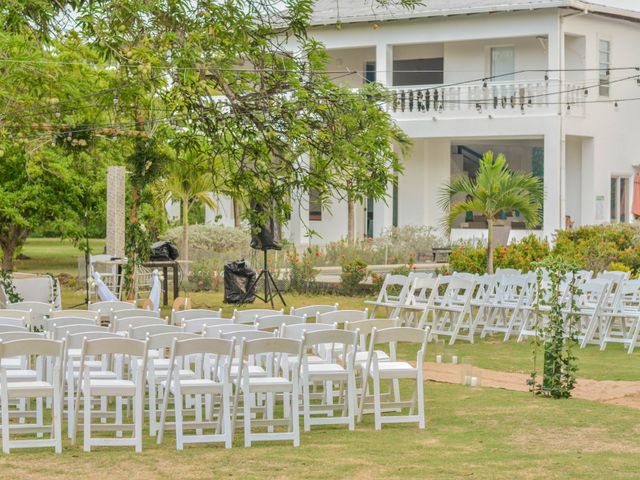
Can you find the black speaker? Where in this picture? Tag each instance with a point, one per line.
(163, 252)
(267, 236)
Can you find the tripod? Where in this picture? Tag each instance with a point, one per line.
(270, 286)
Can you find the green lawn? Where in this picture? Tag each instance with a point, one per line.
(475, 433)
(52, 255)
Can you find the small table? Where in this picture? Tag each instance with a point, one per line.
(441, 251)
(165, 265)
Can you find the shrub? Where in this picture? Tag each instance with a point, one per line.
(353, 272)
(202, 277)
(207, 239)
(522, 254)
(302, 275)
(468, 258)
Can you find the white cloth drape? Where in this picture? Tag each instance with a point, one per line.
(154, 295)
(102, 290)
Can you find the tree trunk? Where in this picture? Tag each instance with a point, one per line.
(236, 213)
(490, 246)
(185, 235)
(11, 238)
(351, 221)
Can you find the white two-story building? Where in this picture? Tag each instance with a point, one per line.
(549, 83)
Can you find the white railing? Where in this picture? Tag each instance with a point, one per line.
(492, 98)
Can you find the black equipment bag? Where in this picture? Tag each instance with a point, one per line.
(238, 276)
(163, 251)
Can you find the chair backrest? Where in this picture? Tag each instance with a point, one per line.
(471, 277)
(274, 322)
(142, 332)
(459, 291)
(240, 335)
(60, 332)
(124, 324)
(31, 346)
(253, 314)
(60, 321)
(592, 293)
(296, 330)
(135, 312)
(201, 345)
(165, 340)
(115, 345)
(93, 315)
(24, 315)
(365, 327)
(215, 331)
(615, 277)
(342, 316)
(12, 322)
(312, 310)
(181, 316)
(108, 307)
(399, 335)
(38, 311)
(393, 289)
(422, 290)
(18, 335)
(505, 272)
(329, 339)
(76, 340)
(271, 345)
(197, 325)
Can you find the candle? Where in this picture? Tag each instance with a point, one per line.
(438, 358)
(474, 381)
(454, 359)
(466, 380)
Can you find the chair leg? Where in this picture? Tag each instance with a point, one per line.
(39, 414)
(153, 412)
(198, 408)
(295, 399)
(139, 418)
(420, 390)
(226, 416)
(306, 404)
(57, 419)
(247, 417)
(119, 415)
(177, 400)
(5, 422)
(270, 402)
(376, 402)
(351, 400)
(87, 421)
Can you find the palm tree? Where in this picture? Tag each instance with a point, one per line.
(495, 189)
(189, 181)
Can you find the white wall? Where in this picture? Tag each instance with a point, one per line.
(573, 184)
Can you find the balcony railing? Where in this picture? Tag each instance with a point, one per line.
(494, 98)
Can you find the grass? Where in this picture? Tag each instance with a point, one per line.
(476, 433)
(53, 255)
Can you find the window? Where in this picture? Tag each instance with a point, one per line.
(619, 199)
(315, 206)
(369, 72)
(394, 212)
(419, 71)
(604, 59)
(503, 63)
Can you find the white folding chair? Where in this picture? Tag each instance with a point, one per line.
(38, 312)
(123, 325)
(250, 316)
(72, 313)
(158, 370)
(394, 370)
(136, 312)
(37, 388)
(12, 327)
(419, 300)
(12, 322)
(589, 305)
(197, 325)
(23, 315)
(392, 294)
(328, 374)
(211, 350)
(107, 309)
(276, 382)
(179, 316)
(274, 322)
(216, 331)
(453, 311)
(313, 310)
(133, 388)
(339, 317)
(52, 323)
(621, 322)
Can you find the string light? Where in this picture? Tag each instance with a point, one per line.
(484, 83)
(616, 106)
(586, 92)
(478, 108)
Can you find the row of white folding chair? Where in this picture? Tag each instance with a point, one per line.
(107, 309)
(313, 310)
(391, 301)
(621, 321)
(503, 311)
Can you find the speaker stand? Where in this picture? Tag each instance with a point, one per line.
(270, 286)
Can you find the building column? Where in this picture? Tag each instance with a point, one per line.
(594, 210)
(384, 64)
(383, 213)
(553, 165)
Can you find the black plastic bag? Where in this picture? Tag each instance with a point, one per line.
(163, 251)
(238, 276)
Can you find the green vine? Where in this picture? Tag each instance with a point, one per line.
(6, 282)
(557, 337)
(54, 289)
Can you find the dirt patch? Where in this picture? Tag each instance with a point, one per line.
(623, 393)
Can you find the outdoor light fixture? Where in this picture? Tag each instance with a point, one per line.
(478, 108)
(586, 92)
(616, 106)
(484, 83)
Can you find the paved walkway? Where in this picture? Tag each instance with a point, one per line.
(604, 391)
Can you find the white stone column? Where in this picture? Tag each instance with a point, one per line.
(384, 64)
(115, 211)
(553, 159)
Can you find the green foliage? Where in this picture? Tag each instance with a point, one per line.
(9, 289)
(494, 190)
(213, 241)
(468, 258)
(521, 255)
(353, 273)
(556, 336)
(596, 247)
(302, 275)
(202, 277)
